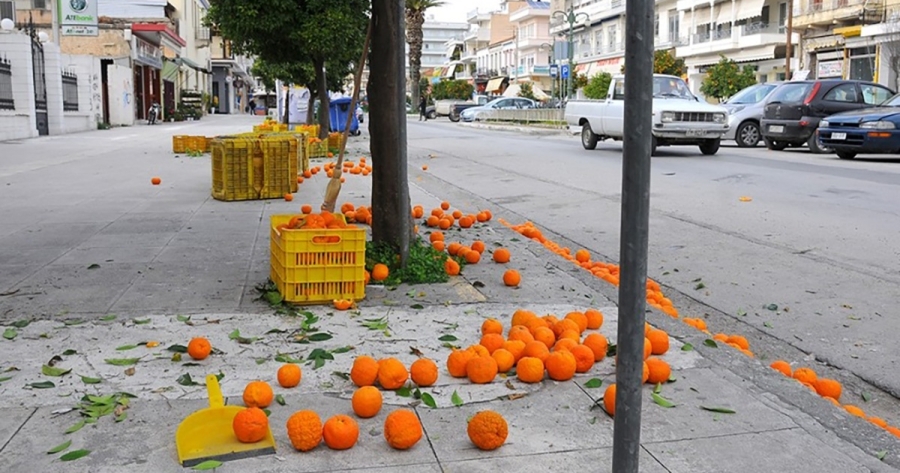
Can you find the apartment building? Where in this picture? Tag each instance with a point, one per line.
(475, 46)
(435, 55)
(532, 43)
(833, 45)
(885, 37)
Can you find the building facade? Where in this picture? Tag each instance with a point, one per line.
(439, 40)
(532, 44)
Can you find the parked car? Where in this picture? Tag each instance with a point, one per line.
(793, 111)
(679, 118)
(457, 109)
(501, 103)
(745, 109)
(873, 130)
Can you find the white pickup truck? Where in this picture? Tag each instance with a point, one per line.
(679, 118)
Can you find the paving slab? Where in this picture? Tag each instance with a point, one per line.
(595, 460)
(51, 235)
(90, 255)
(12, 274)
(11, 420)
(75, 288)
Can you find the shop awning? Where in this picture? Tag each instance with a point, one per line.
(494, 84)
(824, 42)
(193, 65)
(749, 9)
(760, 53)
(830, 55)
(703, 16)
(849, 31)
(724, 14)
(159, 34)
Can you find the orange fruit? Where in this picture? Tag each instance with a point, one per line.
(535, 323)
(155, 181)
(478, 246)
(402, 429)
(805, 375)
(645, 374)
(571, 335)
(481, 369)
(306, 208)
(435, 236)
(501, 255)
(828, 388)
(537, 350)
(516, 347)
(380, 272)
(451, 267)
(487, 430)
(288, 197)
(878, 421)
(580, 320)
(250, 425)
(457, 361)
(660, 371)
(304, 428)
(565, 324)
(520, 332)
(739, 341)
(364, 371)
(512, 278)
(366, 401)
(199, 348)
(438, 245)
(561, 365)
(391, 373)
(855, 411)
(609, 400)
(584, 358)
(492, 341)
(522, 317)
(445, 223)
(453, 248)
(465, 222)
(473, 257)
(530, 370)
(424, 167)
(258, 394)
(423, 372)
(659, 341)
(445, 205)
(582, 256)
(782, 367)
(595, 318)
(564, 344)
(289, 375)
(491, 326)
(432, 221)
(340, 432)
(544, 335)
(598, 344)
(478, 350)
(648, 348)
(505, 360)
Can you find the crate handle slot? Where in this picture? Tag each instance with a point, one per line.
(326, 239)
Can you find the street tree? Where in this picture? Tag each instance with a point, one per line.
(526, 90)
(726, 78)
(598, 86)
(326, 34)
(415, 18)
(665, 62)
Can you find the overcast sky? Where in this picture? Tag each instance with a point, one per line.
(456, 10)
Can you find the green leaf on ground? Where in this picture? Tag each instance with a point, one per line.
(741, 312)
(593, 383)
(89, 380)
(612, 350)
(274, 298)
(177, 348)
(710, 343)
(687, 347)
(186, 380)
(54, 371)
(75, 428)
(276, 331)
(866, 397)
(122, 361)
(183, 318)
(121, 417)
(5, 378)
(720, 410)
(404, 391)
(10, 333)
(772, 307)
(320, 337)
(236, 336)
(880, 455)
(42, 385)
(108, 318)
(341, 374)
(455, 399)
(699, 286)
(94, 266)
(767, 324)
(448, 338)
(207, 465)
(658, 388)
(126, 347)
(75, 455)
(375, 324)
(20, 323)
(69, 352)
(285, 358)
(280, 399)
(60, 447)
(417, 306)
(141, 321)
(661, 400)
(428, 400)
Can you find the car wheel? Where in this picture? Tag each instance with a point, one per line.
(588, 138)
(710, 147)
(846, 154)
(432, 115)
(775, 145)
(454, 117)
(814, 146)
(747, 135)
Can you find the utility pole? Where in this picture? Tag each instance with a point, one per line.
(550, 61)
(571, 18)
(790, 34)
(516, 39)
(634, 234)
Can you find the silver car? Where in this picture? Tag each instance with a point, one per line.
(745, 109)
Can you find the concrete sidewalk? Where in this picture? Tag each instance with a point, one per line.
(174, 264)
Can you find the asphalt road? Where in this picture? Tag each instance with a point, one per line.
(812, 260)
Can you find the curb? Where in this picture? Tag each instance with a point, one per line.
(517, 129)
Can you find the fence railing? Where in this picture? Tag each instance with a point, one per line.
(6, 92)
(70, 91)
(549, 116)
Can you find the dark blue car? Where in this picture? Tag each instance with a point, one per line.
(873, 130)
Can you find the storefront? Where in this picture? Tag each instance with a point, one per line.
(147, 43)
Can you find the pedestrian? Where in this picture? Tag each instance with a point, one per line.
(423, 104)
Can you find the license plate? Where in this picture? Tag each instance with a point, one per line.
(776, 129)
(696, 133)
(838, 136)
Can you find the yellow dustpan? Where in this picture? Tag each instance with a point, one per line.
(207, 434)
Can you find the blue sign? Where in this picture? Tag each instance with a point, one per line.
(554, 70)
(565, 71)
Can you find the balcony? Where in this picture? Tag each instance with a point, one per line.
(529, 12)
(728, 40)
(481, 35)
(534, 42)
(826, 12)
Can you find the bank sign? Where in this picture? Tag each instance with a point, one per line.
(78, 17)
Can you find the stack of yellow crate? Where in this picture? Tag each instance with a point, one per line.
(249, 168)
(335, 140)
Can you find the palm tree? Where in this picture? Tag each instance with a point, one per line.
(415, 17)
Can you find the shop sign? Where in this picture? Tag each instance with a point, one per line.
(147, 54)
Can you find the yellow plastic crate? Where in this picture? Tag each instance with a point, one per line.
(196, 143)
(318, 149)
(245, 168)
(178, 143)
(335, 140)
(313, 130)
(299, 145)
(317, 265)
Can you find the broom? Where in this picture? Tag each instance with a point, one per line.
(334, 185)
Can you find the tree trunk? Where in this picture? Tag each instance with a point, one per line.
(311, 106)
(414, 21)
(287, 106)
(391, 219)
(322, 87)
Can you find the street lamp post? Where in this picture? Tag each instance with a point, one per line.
(571, 18)
(550, 62)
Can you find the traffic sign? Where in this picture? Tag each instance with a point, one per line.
(554, 70)
(565, 71)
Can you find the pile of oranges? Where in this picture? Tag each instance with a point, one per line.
(310, 221)
(442, 217)
(350, 167)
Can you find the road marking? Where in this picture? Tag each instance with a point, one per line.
(124, 137)
(172, 128)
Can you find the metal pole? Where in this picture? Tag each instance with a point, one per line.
(570, 84)
(788, 46)
(634, 233)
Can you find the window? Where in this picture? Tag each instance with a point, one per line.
(674, 25)
(782, 17)
(619, 91)
(764, 17)
(8, 10)
(656, 25)
(611, 38)
(842, 93)
(39, 4)
(598, 41)
(862, 63)
(873, 94)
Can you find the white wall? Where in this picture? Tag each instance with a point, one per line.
(90, 94)
(19, 123)
(53, 79)
(120, 80)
